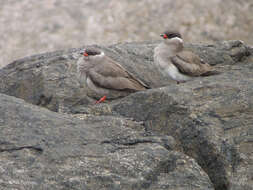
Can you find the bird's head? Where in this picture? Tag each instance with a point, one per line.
(92, 53)
(172, 37)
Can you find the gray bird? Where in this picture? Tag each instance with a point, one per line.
(105, 77)
(181, 65)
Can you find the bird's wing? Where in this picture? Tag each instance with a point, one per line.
(111, 75)
(190, 64)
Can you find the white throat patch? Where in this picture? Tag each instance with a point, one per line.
(179, 39)
(102, 54)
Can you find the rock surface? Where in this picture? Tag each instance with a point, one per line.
(40, 149)
(210, 120)
(28, 26)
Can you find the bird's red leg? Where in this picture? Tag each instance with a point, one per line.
(100, 100)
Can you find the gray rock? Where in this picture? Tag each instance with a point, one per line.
(210, 118)
(50, 79)
(41, 149)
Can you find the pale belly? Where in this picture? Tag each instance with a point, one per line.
(167, 68)
(174, 73)
(96, 89)
(98, 92)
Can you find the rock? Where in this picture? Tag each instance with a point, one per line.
(41, 149)
(50, 79)
(210, 118)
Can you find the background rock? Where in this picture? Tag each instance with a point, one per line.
(210, 118)
(29, 27)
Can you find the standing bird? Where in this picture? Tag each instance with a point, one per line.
(181, 65)
(105, 77)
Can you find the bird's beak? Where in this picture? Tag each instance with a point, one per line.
(85, 54)
(164, 36)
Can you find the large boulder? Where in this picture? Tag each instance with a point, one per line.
(50, 79)
(41, 149)
(210, 118)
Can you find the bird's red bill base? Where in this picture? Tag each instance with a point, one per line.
(85, 54)
(165, 36)
(100, 100)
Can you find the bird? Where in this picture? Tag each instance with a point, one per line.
(105, 77)
(181, 65)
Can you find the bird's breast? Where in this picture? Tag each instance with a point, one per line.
(161, 61)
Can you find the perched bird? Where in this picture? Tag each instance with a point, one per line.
(181, 65)
(105, 77)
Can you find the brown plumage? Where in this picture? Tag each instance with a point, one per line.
(105, 76)
(109, 74)
(181, 65)
(191, 64)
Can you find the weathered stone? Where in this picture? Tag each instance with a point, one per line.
(50, 79)
(210, 118)
(41, 149)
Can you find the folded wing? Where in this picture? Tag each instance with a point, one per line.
(190, 64)
(109, 74)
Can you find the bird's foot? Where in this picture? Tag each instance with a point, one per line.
(100, 100)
